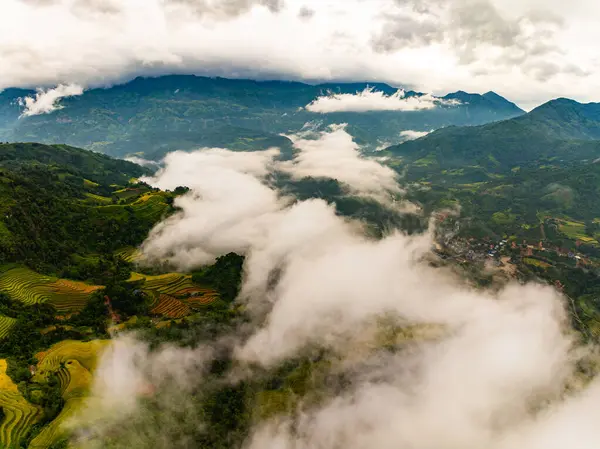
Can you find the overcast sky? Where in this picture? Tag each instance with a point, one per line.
(527, 50)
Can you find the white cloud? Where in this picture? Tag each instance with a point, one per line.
(127, 373)
(141, 161)
(232, 205)
(102, 41)
(226, 210)
(334, 154)
(472, 368)
(47, 100)
(372, 100)
(410, 134)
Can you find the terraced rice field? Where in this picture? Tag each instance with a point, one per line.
(29, 287)
(576, 231)
(171, 307)
(54, 359)
(169, 284)
(6, 383)
(175, 293)
(97, 199)
(129, 254)
(90, 184)
(202, 300)
(6, 324)
(536, 262)
(73, 362)
(19, 415)
(128, 192)
(150, 206)
(55, 431)
(75, 379)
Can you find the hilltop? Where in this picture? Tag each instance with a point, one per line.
(152, 116)
(560, 130)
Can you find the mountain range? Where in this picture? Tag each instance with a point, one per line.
(152, 116)
(559, 130)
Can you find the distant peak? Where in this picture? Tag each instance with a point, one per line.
(492, 94)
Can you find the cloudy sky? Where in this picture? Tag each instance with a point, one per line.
(527, 50)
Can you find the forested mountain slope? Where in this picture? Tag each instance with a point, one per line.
(558, 130)
(60, 204)
(70, 222)
(156, 115)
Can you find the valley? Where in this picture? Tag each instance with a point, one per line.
(513, 202)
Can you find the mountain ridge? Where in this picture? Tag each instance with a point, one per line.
(560, 128)
(156, 115)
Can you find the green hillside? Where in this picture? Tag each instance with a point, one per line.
(558, 131)
(156, 115)
(70, 223)
(64, 212)
(71, 280)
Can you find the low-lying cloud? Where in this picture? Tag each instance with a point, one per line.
(233, 202)
(226, 210)
(461, 368)
(129, 374)
(334, 154)
(373, 100)
(143, 162)
(47, 100)
(410, 134)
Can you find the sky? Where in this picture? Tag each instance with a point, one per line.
(527, 50)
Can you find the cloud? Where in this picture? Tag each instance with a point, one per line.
(479, 386)
(306, 13)
(410, 134)
(47, 101)
(333, 154)
(129, 382)
(143, 162)
(478, 31)
(440, 46)
(232, 203)
(455, 366)
(225, 9)
(84, 9)
(372, 100)
(226, 211)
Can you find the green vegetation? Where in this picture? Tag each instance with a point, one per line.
(29, 287)
(151, 116)
(535, 262)
(70, 225)
(55, 218)
(6, 324)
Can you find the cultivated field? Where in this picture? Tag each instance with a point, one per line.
(6, 324)
(73, 362)
(149, 207)
(54, 359)
(29, 287)
(55, 431)
(175, 294)
(19, 415)
(129, 254)
(170, 307)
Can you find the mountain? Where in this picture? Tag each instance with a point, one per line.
(54, 205)
(70, 221)
(152, 116)
(495, 103)
(535, 177)
(78, 162)
(560, 130)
